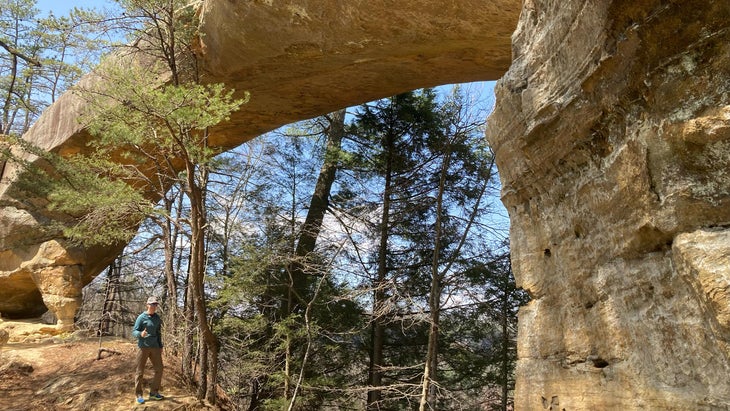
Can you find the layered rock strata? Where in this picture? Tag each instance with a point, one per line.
(612, 134)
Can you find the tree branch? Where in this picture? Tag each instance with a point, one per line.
(17, 53)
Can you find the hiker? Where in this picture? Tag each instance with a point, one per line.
(148, 331)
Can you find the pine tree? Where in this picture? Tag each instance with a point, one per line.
(295, 309)
(40, 57)
(151, 133)
(429, 175)
(388, 140)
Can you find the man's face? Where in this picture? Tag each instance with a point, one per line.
(151, 307)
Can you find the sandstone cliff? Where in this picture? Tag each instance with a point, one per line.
(612, 133)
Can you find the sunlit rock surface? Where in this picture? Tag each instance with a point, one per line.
(612, 134)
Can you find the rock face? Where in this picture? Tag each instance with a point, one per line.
(297, 61)
(612, 134)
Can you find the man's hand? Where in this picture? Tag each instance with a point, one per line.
(143, 333)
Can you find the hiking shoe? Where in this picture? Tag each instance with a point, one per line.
(156, 396)
(140, 400)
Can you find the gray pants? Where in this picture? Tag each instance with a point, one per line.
(155, 356)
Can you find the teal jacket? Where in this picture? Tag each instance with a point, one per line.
(153, 324)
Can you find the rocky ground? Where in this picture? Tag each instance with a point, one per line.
(42, 371)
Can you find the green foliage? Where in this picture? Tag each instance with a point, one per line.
(93, 206)
(153, 120)
(424, 163)
(253, 296)
(40, 57)
(141, 127)
(107, 210)
(171, 19)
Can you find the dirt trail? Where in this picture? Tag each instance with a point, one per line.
(63, 373)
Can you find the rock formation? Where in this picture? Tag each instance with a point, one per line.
(612, 134)
(297, 62)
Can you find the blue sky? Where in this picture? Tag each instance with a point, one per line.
(61, 7)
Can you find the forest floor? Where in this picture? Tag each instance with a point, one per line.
(64, 372)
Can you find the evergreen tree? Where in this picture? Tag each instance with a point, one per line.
(40, 57)
(296, 311)
(155, 134)
(495, 339)
(429, 175)
(388, 139)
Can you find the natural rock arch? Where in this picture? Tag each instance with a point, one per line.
(612, 133)
(296, 62)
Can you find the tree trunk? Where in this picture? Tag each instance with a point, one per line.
(254, 404)
(203, 364)
(320, 199)
(317, 206)
(169, 234)
(375, 373)
(5, 127)
(197, 277)
(310, 231)
(434, 300)
(287, 365)
(111, 297)
(172, 315)
(189, 332)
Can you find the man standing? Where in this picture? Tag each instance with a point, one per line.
(148, 331)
